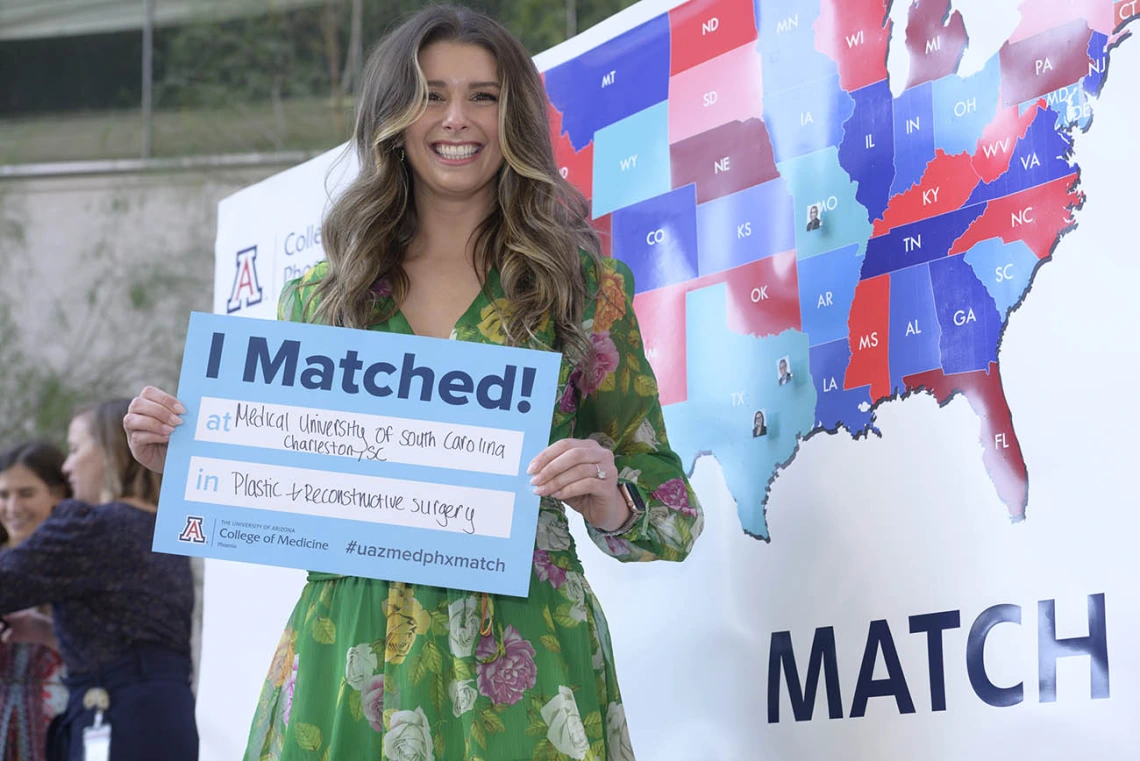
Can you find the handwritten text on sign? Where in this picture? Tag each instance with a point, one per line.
(357, 452)
(352, 497)
(359, 436)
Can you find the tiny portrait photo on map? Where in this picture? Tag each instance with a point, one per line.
(759, 424)
(814, 220)
(784, 370)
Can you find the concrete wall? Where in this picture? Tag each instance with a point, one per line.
(108, 265)
(100, 273)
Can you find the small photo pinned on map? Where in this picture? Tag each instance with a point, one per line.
(784, 370)
(759, 424)
(815, 221)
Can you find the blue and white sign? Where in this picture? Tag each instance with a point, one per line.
(348, 451)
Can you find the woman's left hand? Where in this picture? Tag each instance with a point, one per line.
(581, 473)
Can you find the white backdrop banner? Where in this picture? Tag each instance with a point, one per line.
(885, 278)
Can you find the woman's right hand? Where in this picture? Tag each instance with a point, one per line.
(151, 418)
(29, 626)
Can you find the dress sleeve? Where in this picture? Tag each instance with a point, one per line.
(619, 407)
(54, 563)
(294, 304)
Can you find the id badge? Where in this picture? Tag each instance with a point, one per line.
(97, 740)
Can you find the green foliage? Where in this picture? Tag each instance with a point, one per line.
(284, 53)
(211, 64)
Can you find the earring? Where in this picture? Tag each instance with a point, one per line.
(401, 154)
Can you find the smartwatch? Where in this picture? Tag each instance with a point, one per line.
(632, 496)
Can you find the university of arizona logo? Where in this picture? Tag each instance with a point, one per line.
(193, 533)
(246, 290)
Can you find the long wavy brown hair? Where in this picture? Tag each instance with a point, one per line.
(534, 232)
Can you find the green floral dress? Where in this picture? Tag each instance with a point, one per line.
(371, 670)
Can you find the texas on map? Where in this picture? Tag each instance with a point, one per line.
(808, 245)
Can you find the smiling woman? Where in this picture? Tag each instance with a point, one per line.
(459, 128)
(452, 125)
(31, 485)
(31, 687)
(460, 226)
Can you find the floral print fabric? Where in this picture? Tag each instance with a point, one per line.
(31, 695)
(369, 669)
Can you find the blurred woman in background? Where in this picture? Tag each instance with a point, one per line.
(122, 612)
(31, 674)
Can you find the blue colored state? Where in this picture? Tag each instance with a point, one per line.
(612, 81)
(915, 332)
(867, 152)
(743, 227)
(963, 107)
(914, 136)
(818, 180)
(807, 118)
(631, 160)
(1072, 105)
(967, 315)
(1098, 63)
(1005, 269)
(658, 239)
(1037, 159)
(732, 377)
(787, 44)
(918, 242)
(834, 405)
(827, 288)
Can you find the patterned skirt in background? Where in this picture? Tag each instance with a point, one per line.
(31, 695)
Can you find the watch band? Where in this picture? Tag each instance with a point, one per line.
(636, 505)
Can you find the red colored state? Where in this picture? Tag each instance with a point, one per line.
(763, 296)
(762, 300)
(700, 30)
(604, 226)
(945, 186)
(935, 48)
(661, 316)
(1044, 62)
(553, 116)
(1124, 11)
(853, 34)
(1036, 216)
(1001, 449)
(724, 160)
(576, 167)
(869, 327)
(999, 140)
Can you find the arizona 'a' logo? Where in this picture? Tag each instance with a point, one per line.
(246, 290)
(193, 532)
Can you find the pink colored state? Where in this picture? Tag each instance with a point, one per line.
(1038, 16)
(661, 315)
(729, 88)
(935, 48)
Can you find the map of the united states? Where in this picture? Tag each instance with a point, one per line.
(806, 244)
